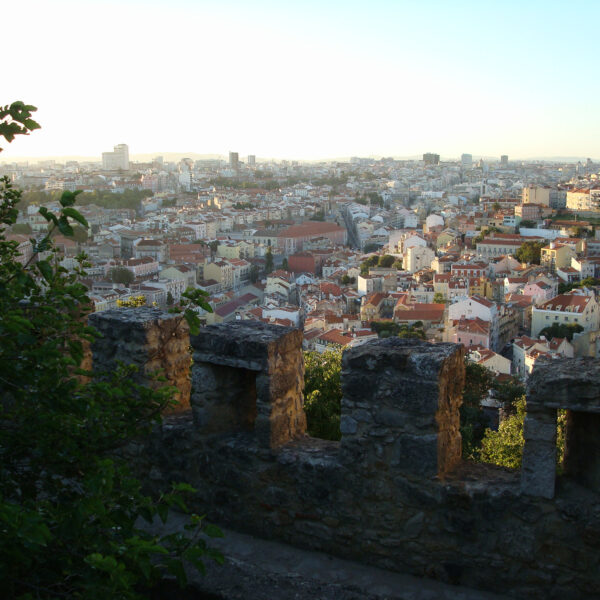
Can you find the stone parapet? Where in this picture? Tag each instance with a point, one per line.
(574, 385)
(153, 340)
(249, 377)
(400, 401)
(393, 493)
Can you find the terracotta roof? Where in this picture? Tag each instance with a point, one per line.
(333, 336)
(309, 228)
(566, 303)
(475, 325)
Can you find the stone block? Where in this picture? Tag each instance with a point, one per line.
(405, 394)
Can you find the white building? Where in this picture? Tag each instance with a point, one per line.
(118, 159)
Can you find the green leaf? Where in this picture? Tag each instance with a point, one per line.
(74, 214)
(45, 269)
(67, 198)
(64, 227)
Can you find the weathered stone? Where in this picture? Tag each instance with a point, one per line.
(153, 340)
(376, 496)
(413, 389)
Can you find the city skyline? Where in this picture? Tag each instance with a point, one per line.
(308, 82)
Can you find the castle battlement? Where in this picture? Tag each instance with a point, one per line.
(394, 491)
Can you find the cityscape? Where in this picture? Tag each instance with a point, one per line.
(300, 300)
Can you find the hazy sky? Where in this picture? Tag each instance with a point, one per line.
(307, 79)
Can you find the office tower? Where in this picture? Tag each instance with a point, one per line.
(431, 159)
(118, 159)
(466, 160)
(504, 160)
(234, 160)
(251, 160)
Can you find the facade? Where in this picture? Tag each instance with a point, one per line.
(536, 194)
(556, 256)
(431, 159)
(417, 258)
(567, 309)
(476, 306)
(117, 159)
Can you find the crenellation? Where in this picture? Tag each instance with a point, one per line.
(393, 492)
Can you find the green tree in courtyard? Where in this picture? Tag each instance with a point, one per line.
(70, 509)
(561, 330)
(530, 252)
(122, 275)
(386, 261)
(268, 261)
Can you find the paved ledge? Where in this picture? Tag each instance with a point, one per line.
(257, 569)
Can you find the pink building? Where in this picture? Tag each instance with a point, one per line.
(471, 332)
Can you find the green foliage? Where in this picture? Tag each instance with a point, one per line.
(347, 280)
(254, 273)
(561, 330)
(563, 288)
(70, 510)
(268, 261)
(323, 393)
(505, 446)
(485, 231)
(190, 300)
(439, 298)
(170, 299)
(372, 261)
(386, 261)
(478, 382)
(15, 119)
(122, 275)
(132, 302)
(284, 265)
(527, 224)
(371, 247)
(530, 252)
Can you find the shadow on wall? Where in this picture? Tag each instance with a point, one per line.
(393, 492)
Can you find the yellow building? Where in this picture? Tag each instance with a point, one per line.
(556, 256)
(220, 271)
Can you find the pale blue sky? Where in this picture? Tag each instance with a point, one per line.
(309, 79)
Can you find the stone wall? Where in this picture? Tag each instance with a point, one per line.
(393, 493)
(149, 338)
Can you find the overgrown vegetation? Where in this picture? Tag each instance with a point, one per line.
(70, 509)
(323, 393)
(563, 288)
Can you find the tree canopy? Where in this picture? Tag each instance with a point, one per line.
(70, 509)
(530, 252)
(561, 330)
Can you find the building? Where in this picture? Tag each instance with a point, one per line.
(556, 256)
(566, 309)
(504, 161)
(478, 307)
(536, 194)
(466, 161)
(527, 351)
(117, 159)
(251, 160)
(234, 160)
(292, 239)
(584, 199)
(431, 159)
